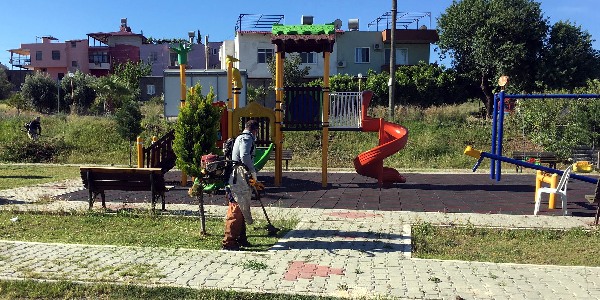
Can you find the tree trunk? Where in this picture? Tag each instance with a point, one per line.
(489, 95)
(201, 209)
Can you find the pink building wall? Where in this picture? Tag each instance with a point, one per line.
(58, 67)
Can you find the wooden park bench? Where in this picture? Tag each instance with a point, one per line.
(595, 198)
(285, 155)
(100, 179)
(542, 157)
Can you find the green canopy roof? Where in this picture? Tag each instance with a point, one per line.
(279, 29)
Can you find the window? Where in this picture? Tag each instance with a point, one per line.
(153, 56)
(173, 59)
(215, 51)
(38, 55)
(74, 64)
(55, 55)
(264, 55)
(401, 56)
(150, 89)
(361, 55)
(98, 57)
(73, 44)
(308, 57)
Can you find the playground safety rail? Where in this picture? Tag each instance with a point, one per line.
(345, 110)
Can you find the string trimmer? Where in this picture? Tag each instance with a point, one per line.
(256, 186)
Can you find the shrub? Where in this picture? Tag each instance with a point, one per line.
(41, 92)
(5, 85)
(46, 151)
(196, 130)
(559, 125)
(16, 100)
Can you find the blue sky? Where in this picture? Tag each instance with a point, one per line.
(73, 19)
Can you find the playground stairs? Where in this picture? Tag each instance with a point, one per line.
(160, 153)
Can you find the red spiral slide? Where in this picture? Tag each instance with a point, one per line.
(392, 138)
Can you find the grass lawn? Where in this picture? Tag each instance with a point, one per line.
(30, 289)
(129, 229)
(13, 176)
(574, 247)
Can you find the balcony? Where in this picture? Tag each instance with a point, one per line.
(21, 62)
(99, 66)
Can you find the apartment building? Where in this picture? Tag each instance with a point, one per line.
(97, 54)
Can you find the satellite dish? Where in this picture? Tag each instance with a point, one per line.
(337, 24)
(423, 27)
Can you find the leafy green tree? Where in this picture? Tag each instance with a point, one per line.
(257, 94)
(569, 59)
(78, 92)
(490, 38)
(130, 73)
(293, 71)
(112, 92)
(41, 92)
(378, 83)
(129, 123)
(5, 85)
(16, 100)
(339, 83)
(196, 130)
(427, 84)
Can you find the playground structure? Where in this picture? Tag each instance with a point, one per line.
(495, 155)
(392, 138)
(315, 108)
(300, 109)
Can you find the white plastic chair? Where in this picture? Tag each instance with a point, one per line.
(561, 190)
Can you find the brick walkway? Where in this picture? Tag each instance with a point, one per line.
(452, 193)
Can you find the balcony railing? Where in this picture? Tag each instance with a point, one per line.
(19, 62)
(99, 66)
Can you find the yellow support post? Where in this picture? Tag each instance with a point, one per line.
(279, 61)
(325, 100)
(230, 60)
(237, 87)
(182, 104)
(541, 177)
(140, 152)
(182, 87)
(153, 157)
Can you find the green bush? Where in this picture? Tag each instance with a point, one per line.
(559, 125)
(154, 122)
(5, 85)
(41, 92)
(43, 151)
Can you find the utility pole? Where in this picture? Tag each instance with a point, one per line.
(392, 80)
(206, 51)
